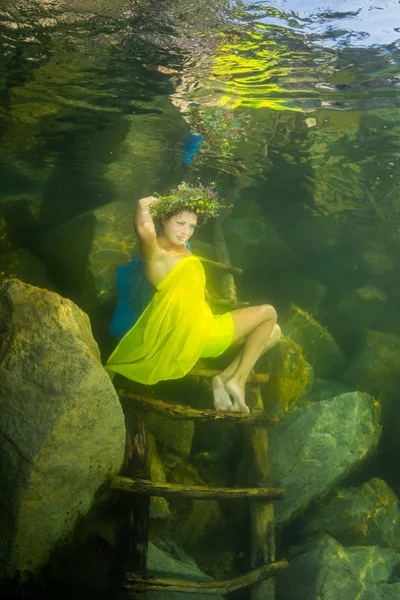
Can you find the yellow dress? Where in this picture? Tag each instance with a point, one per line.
(174, 331)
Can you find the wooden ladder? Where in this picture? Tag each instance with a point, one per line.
(130, 578)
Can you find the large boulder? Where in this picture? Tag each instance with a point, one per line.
(62, 429)
(82, 254)
(320, 349)
(365, 515)
(326, 569)
(314, 447)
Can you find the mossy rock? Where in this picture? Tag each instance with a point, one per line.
(159, 507)
(62, 429)
(324, 569)
(315, 447)
(193, 523)
(319, 347)
(291, 376)
(365, 515)
(172, 435)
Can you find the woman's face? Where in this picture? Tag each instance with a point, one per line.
(179, 228)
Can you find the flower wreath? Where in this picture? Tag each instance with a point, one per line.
(203, 201)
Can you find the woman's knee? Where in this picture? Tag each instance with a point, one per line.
(277, 332)
(268, 313)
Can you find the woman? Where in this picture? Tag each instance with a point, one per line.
(177, 327)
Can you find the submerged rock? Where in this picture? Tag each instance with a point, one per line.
(291, 376)
(314, 447)
(377, 260)
(22, 264)
(22, 217)
(252, 240)
(375, 367)
(164, 564)
(194, 524)
(324, 389)
(326, 569)
(366, 515)
(62, 429)
(83, 253)
(320, 349)
(174, 435)
(363, 308)
(159, 507)
(305, 292)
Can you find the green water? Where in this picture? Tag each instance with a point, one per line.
(298, 105)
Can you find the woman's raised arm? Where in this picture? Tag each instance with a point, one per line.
(144, 227)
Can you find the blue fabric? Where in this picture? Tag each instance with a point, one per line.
(190, 147)
(135, 293)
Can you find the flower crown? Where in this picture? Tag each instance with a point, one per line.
(203, 201)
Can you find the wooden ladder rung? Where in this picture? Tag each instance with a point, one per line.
(220, 265)
(253, 377)
(225, 303)
(186, 413)
(199, 492)
(136, 582)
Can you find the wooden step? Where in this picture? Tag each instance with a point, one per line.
(253, 377)
(230, 304)
(198, 492)
(136, 582)
(186, 413)
(220, 265)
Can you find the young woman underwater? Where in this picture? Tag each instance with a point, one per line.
(177, 327)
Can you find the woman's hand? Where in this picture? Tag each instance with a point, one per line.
(145, 203)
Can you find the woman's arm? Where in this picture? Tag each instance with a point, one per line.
(144, 227)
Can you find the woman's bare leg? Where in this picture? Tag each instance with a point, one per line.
(255, 346)
(222, 399)
(258, 326)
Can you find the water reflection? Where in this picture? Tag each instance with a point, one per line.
(281, 90)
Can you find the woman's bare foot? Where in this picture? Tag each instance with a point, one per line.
(238, 395)
(222, 399)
